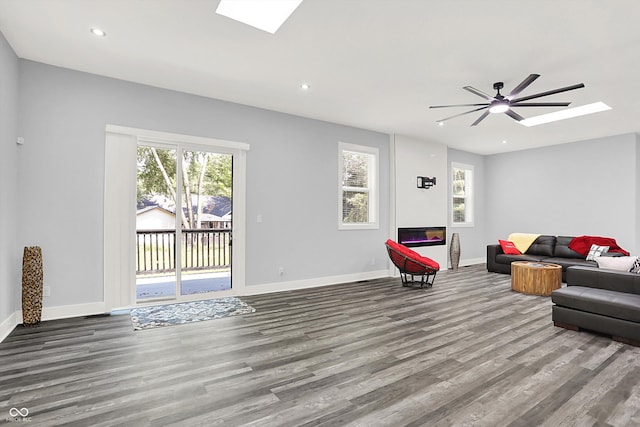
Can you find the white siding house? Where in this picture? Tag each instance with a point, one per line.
(154, 218)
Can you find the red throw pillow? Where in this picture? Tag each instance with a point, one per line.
(509, 248)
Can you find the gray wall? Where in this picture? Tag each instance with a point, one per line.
(292, 178)
(10, 256)
(472, 239)
(587, 187)
(581, 188)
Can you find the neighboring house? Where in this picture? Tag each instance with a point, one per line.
(227, 219)
(155, 218)
(158, 218)
(212, 221)
(215, 205)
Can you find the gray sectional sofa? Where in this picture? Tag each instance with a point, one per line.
(552, 249)
(599, 300)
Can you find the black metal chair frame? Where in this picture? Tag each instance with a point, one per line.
(426, 278)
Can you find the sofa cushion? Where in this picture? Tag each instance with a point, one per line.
(568, 262)
(543, 245)
(508, 259)
(508, 247)
(562, 249)
(608, 303)
(621, 263)
(601, 278)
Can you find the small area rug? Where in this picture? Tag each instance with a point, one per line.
(187, 312)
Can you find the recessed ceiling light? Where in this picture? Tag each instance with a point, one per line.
(98, 32)
(305, 86)
(504, 141)
(440, 124)
(266, 15)
(568, 113)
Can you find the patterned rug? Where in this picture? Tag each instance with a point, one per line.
(187, 312)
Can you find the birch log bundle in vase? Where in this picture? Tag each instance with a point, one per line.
(32, 285)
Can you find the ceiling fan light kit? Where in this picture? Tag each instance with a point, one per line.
(504, 104)
(499, 107)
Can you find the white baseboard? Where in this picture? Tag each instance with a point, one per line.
(66, 311)
(52, 313)
(315, 282)
(7, 326)
(472, 261)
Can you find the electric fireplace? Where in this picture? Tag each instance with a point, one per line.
(422, 236)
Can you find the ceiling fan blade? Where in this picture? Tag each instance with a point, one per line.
(481, 118)
(479, 93)
(514, 115)
(549, 92)
(457, 105)
(522, 86)
(541, 104)
(462, 114)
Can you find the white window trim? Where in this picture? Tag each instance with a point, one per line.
(374, 187)
(468, 198)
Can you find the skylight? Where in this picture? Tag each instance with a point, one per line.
(568, 113)
(266, 15)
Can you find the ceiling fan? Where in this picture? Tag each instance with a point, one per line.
(505, 104)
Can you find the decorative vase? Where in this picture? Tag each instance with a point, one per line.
(454, 250)
(32, 285)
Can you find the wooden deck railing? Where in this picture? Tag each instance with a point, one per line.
(202, 249)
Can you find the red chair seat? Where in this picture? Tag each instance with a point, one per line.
(410, 263)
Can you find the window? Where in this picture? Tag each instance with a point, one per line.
(358, 187)
(462, 195)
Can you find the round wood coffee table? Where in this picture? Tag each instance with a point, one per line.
(535, 278)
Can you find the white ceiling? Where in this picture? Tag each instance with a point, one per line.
(374, 64)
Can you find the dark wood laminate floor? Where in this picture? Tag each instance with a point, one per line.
(467, 352)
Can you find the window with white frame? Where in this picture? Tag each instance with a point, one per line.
(461, 195)
(358, 187)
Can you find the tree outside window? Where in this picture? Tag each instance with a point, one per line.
(462, 195)
(358, 187)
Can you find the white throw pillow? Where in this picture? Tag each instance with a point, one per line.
(620, 263)
(596, 251)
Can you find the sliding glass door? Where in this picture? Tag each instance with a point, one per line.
(207, 216)
(183, 221)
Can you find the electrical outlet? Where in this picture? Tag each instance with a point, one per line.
(46, 291)
(373, 261)
(281, 271)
